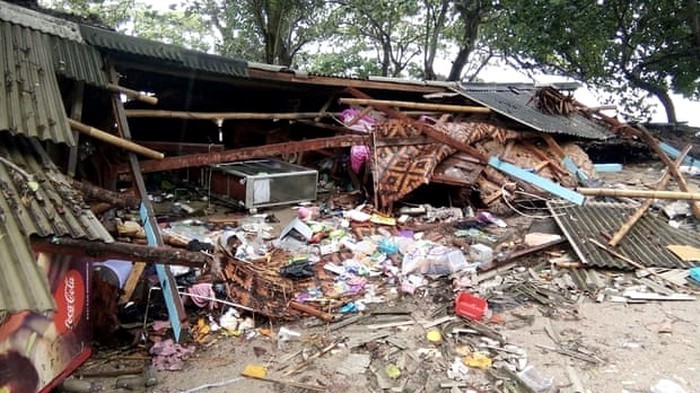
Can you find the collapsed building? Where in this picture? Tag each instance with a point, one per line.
(90, 119)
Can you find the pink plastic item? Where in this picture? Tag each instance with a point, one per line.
(470, 306)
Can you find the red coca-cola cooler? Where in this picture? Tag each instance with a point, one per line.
(39, 349)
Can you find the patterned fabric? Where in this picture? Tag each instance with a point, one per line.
(401, 169)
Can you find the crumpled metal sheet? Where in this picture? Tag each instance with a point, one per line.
(645, 243)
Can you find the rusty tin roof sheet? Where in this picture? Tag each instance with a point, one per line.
(514, 102)
(35, 199)
(30, 99)
(645, 243)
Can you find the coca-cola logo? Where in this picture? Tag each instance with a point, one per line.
(70, 300)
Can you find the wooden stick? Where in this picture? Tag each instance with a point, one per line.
(682, 184)
(137, 95)
(609, 192)
(634, 263)
(131, 282)
(114, 140)
(647, 204)
(416, 105)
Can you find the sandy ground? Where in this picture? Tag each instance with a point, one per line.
(638, 344)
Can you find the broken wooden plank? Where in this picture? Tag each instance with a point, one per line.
(114, 140)
(119, 250)
(609, 192)
(246, 153)
(539, 181)
(416, 105)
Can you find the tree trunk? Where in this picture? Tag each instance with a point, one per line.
(471, 17)
(694, 18)
(661, 92)
(459, 63)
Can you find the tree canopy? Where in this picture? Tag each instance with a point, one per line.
(632, 48)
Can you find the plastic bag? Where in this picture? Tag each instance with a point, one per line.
(434, 260)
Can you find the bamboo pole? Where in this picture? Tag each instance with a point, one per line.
(137, 95)
(608, 192)
(114, 140)
(682, 184)
(416, 105)
(224, 115)
(647, 204)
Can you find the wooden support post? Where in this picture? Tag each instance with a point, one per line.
(247, 153)
(98, 250)
(416, 105)
(173, 301)
(682, 184)
(114, 140)
(136, 95)
(646, 205)
(609, 192)
(76, 113)
(424, 128)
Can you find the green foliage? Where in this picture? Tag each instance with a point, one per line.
(622, 46)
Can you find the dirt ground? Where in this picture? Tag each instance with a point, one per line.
(639, 344)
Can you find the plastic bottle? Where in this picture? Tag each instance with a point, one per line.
(536, 381)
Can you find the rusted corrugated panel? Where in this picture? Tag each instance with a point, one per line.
(515, 102)
(78, 61)
(30, 99)
(645, 243)
(35, 199)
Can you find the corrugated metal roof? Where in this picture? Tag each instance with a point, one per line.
(35, 199)
(78, 61)
(30, 99)
(515, 102)
(39, 21)
(645, 243)
(111, 41)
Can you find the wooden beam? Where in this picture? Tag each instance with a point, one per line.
(424, 128)
(118, 250)
(76, 112)
(166, 280)
(416, 105)
(247, 153)
(133, 94)
(609, 192)
(647, 203)
(181, 147)
(114, 140)
(101, 194)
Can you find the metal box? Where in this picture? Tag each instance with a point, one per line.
(262, 183)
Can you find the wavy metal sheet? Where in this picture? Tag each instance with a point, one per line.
(78, 61)
(645, 243)
(514, 101)
(35, 199)
(111, 41)
(30, 99)
(40, 21)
